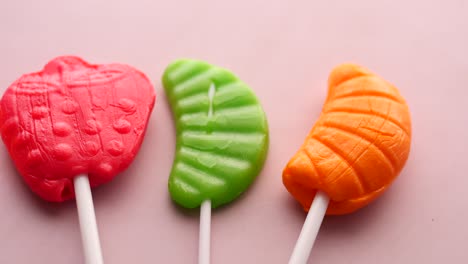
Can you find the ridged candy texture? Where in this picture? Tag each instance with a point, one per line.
(357, 147)
(222, 133)
(74, 118)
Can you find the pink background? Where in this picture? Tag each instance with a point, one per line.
(284, 50)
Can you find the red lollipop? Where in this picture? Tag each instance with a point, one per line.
(75, 121)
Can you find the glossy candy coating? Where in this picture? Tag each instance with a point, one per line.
(222, 133)
(357, 147)
(74, 118)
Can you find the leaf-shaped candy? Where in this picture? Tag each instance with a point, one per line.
(222, 133)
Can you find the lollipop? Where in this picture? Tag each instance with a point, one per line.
(222, 139)
(73, 126)
(356, 149)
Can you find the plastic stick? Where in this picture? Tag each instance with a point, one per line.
(205, 230)
(310, 229)
(205, 208)
(87, 218)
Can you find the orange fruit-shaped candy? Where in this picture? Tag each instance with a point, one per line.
(357, 147)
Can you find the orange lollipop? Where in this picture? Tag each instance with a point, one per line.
(353, 153)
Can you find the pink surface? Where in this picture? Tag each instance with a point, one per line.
(284, 50)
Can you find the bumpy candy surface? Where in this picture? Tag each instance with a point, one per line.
(357, 147)
(74, 118)
(222, 133)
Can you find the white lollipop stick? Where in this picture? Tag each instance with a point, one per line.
(205, 208)
(310, 229)
(87, 218)
(205, 230)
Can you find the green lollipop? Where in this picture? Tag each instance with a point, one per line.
(222, 135)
